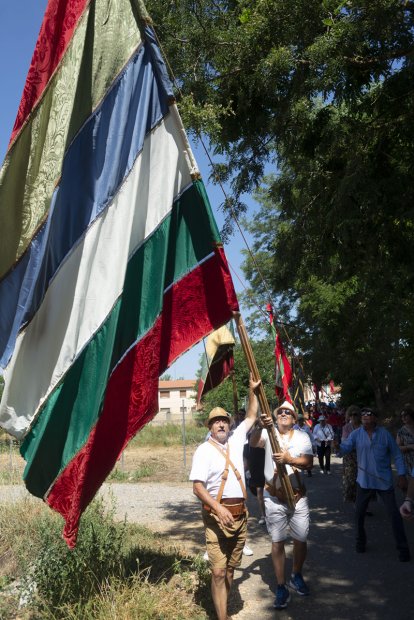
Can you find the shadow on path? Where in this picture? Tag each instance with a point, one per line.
(344, 585)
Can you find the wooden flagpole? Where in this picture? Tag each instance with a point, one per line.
(264, 406)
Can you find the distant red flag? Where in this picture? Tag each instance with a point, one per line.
(218, 362)
(283, 369)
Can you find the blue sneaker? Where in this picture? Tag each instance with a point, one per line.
(297, 583)
(282, 597)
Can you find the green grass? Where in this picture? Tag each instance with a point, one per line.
(170, 435)
(146, 469)
(116, 570)
(13, 476)
(12, 464)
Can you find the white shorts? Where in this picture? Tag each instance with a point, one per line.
(279, 518)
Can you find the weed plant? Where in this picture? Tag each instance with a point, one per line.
(64, 576)
(116, 570)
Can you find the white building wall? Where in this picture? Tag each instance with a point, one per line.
(170, 407)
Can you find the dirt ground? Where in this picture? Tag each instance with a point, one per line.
(164, 462)
(158, 461)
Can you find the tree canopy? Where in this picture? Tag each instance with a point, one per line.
(319, 92)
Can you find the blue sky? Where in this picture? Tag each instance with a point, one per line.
(20, 22)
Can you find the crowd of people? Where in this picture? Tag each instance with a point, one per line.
(238, 453)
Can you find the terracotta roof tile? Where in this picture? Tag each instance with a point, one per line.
(189, 384)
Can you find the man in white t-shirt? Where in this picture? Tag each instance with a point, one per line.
(218, 481)
(296, 454)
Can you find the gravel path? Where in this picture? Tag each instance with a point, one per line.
(162, 507)
(344, 585)
(172, 510)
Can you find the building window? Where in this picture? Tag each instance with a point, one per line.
(166, 413)
(183, 393)
(165, 394)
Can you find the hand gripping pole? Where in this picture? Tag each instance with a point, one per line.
(286, 485)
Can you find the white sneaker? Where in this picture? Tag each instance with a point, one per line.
(247, 550)
(205, 556)
(329, 473)
(322, 472)
(262, 521)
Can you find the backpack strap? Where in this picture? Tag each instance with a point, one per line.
(225, 474)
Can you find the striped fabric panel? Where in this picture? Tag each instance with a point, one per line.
(86, 287)
(197, 304)
(94, 166)
(111, 251)
(33, 165)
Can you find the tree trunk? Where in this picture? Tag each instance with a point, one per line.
(376, 388)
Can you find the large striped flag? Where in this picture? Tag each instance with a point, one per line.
(283, 369)
(111, 264)
(218, 360)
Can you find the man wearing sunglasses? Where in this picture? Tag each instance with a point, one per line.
(376, 448)
(297, 455)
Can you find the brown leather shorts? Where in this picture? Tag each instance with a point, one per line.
(224, 544)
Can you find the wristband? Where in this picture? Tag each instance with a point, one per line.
(408, 499)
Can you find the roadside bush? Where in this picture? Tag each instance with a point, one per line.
(61, 576)
(116, 570)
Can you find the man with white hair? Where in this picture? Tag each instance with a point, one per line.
(218, 481)
(296, 454)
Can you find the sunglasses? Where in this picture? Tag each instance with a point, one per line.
(369, 413)
(284, 412)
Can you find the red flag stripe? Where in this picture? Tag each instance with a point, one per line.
(59, 23)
